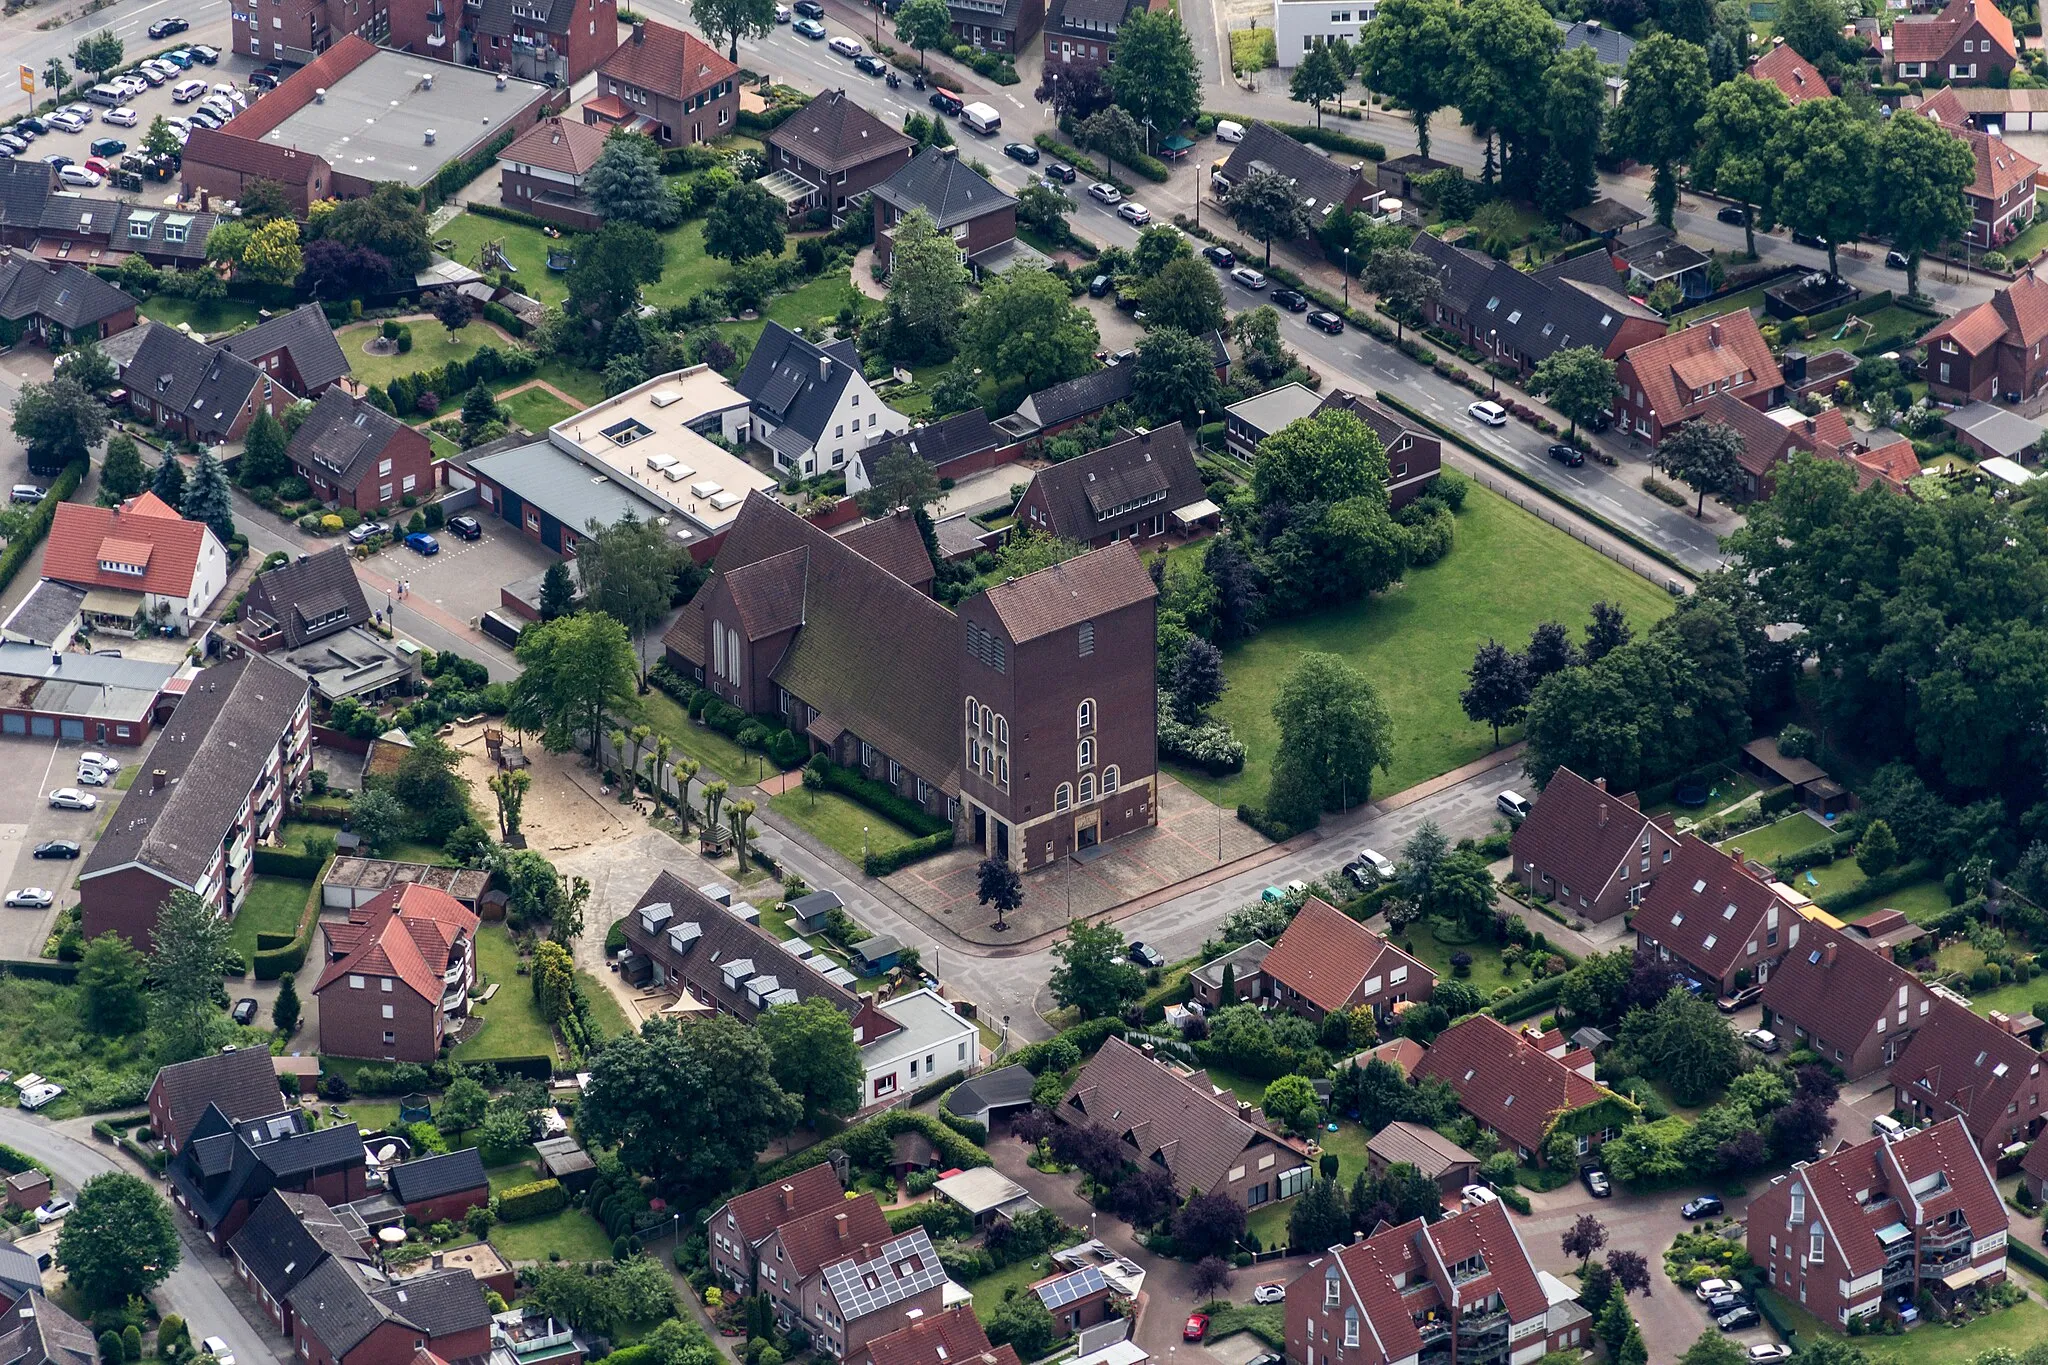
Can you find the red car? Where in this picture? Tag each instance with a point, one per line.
(1197, 1328)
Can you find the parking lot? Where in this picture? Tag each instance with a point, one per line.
(27, 819)
(463, 580)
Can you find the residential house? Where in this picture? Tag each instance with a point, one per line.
(895, 543)
(1993, 350)
(1522, 318)
(1048, 412)
(1962, 1065)
(1654, 255)
(1249, 421)
(2034, 1170)
(1138, 489)
(224, 1169)
(542, 172)
(1174, 1117)
(1593, 853)
(797, 1252)
(297, 348)
(1881, 1222)
(58, 304)
(1077, 1298)
(192, 391)
(231, 758)
(138, 560)
(1428, 1151)
(1798, 78)
(1462, 1289)
(53, 223)
(973, 210)
(2002, 196)
(240, 1082)
(1667, 380)
(1301, 25)
(342, 1316)
(1414, 454)
(356, 455)
(804, 398)
(1842, 998)
(1518, 1090)
(1080, 35)
(1244, 964)
(1327, 962)
(35, 1331)
(954, 1338)
(1611, 47)
(1322, 183)
(996, 25)
(834, 151)
(669, 84)
(301, 601)
(1712, 918)
(398, 975)
(441, 1186)
(737, 1229)
(1962, 45)
(287, 1238)
(557, 42)
(871, 1290)
(965, 443)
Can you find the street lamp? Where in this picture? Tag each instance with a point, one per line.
(863, 843)
(1493, 343)
(1347, 279)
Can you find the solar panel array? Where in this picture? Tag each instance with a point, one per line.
(1070, 1288)
(867, 1286)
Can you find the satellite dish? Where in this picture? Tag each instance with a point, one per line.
(387, 1151)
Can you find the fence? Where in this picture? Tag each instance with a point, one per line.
(1521, 495)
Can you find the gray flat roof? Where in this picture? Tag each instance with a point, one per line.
(2002, 430)
(374, 121)
(1275, 408)
(565, 488)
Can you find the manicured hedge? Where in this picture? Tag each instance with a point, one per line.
(504, 317)
(976, 1133)
(1087, 1039)
(1779, 799)
(299, 867)
(487, 209)
(13, 1161)
(766, 121)
(64, 972)
(870, 1144)
(882, 864)
(1329, 139)
(879, 798)
(455, 175)
(938, 1087)
(17, 553)
(271, 963)
(537, 1199)
(1522, 1003)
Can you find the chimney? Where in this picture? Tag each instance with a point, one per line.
(639, 34)
(839, 1227)
(1811, 426)
(824, 367)
(1713, 334)
(788, 1193)
(320, 95)
(1827, 954)
(1601, 783)
(1603, 815)
(427, 81)
(157, 778)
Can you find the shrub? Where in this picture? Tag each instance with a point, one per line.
(537, 1199)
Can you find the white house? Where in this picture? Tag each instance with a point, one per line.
(810, 404)
(1299, 25)
(928, 1041)
(138, 561)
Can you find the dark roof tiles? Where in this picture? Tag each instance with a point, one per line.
(834, 133)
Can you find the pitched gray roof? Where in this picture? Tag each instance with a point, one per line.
(1322, 182)
(25, 186)
(343, 437)
(1099, 18)
(286, 1239)
(431, 1177)
(834, 133)
(1092, 392)
(63, 293)
(966, 433)
(1611, 46)
(304, 335)
(308, 598)
(49, 609)
(242, 1084)
(35, 1331)
(334, 1304)
(939, 182)
(1142, 475)
(1008, 1085)
(541, 474)
(439, 1302)
(213, 748)
(208, 387)
(796, 383)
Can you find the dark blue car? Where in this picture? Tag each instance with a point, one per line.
(421, 543)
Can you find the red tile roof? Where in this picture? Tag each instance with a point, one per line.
(1721, 351)
(1870, 1186)
(1579, 832)
(2017, 314)
(832, 1234)
(759, 1212)
(1503, 1081)
(667, 61)
(1325, 956)
(558, 144)
(1783, 67)
(1932, 37)
(2000, 168)
(954, 1338)
(1710, 910)
(408, 932)
(83, 536)
(1402, 1273)
(1960, 1063)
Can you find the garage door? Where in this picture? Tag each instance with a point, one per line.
(73, 729)
(13, 725)
(45, 726)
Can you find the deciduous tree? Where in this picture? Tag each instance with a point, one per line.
(927, 289)
(1184, 294)
(745, 221)
(1094, 977)
(816, 1057)
(1825, 155)
(1025, 328)
(110, 980)
(118, 1242)
(1334, 731)
(1736, 156)
(1499, 691)
(1925, 172)
(1266, 204)
(1319, 78)
(923, 24)
(728, 21)
(122, 475)
(1504, 51)
(1406, 279)
(1409, 53)
(1812, 28)
(1658, 121)
(60, 422)
(997, 884)
(1584, 1238)
(98, 53)
(1176, 374)
(1154, 73)
(1319, 1217)
(1707, 455)
(577, 670)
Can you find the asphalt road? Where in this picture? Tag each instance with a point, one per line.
(24, 44)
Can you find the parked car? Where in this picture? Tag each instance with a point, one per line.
(1709, 1289)
(1762, 1039)
(469, 528)
(1021, 151)
(266, 77)
(205, 53)
(367, 531)
(64, 121)
(845, 46)
(946, 102)
(1293, 300)
(80, 177)
(1370, 867)
(1703, 1206)
(808, 28)
(1896, 260)
(206, 118)
(419, 542)
(1062, 172)
(1571, 457)
(1197, 1327)
(1273, 1291)
(153, 73)
(182, 59)
(57, 848)
(1735, 1319)
(1222, 257)
(1323, 320)
(871, 64)
(1732, 213)
(1808, 239)
(1493, 414)
(124, 117)
(1248, 277)
(184, 92)
(782, 14)
(244, 1012)
(89, 776)
(1729, 1004)
(108, 146)
(1136, 214)
(218, 1349)
(810, 9)
(34, 125)
(1145, 955)
(31, 898)
(1105, 193)
(1766, 1352)
(1596, 1183)
(15, 146)
(1512, 804)
(1100, 286)
(51, 1210)
(71, 798)
(164, 28)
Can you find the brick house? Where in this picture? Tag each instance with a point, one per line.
(298, 31)
(965, 443)
(2034, 1170)
(1594, 853)
(58, 304)
(979, 215)
(1142, 488)
(355, 455)
(2002, 197)
(867, 1289)
(1174, 1117)
(1768, 445)
(1667, 380)
(1327, 962)
(444, 1185)
(55, 223)
(1247, 981)
(287, 1238)
(796, 1253)
(1414, 454)
(192, 822)
(240, 1082)
(1798, 78)
(398, 974)
(838, 150)
(1962, 1065)
(27, 1189)
(1843, 999)
(533, 40)
(1994, 350)
(737, 1229)
(38, 1332)
(542, 172)
(1491, 1067)
(1881, 1223)
(225, 1169)
(1080, 35)
(342, 1317)
(1427, 1150)
(938, 1339)
(296, 348)
(996, 25)
(1522, 318)
(1714, 920)
(668, 84)
(196, 392)
(1461, 1289)
(1962, 45)
(1076, 1299)
(303, 600)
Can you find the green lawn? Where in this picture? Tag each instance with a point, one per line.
(1921, 903)
(2032, 240)
(1508, 573)
(1747, 298)
(812, 307)
(841, 822)
(444, 449)
(273, 906)
(720, 756)
(537, 410)
(1789, 835)
(503, 1178)
(2013, 1329)
(229, 315)
(580, 384)
(574, 1233)
(2011, 998)
(686, 271)
(1729, 786)
(513, 1026)
(990, 1290)
(1488, 974)
(432, 347)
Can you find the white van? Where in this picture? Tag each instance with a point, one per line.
(982, 118)
(1229, 130)
(110, 95)
(1887, 1127)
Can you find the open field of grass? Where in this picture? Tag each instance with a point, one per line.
(686, 271)
(229, 315)
(432, 347)
(841, 822)
(1508, 573)
(574, 1233)
(536, 410)
(273, 906)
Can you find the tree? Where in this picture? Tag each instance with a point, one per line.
(629, 573)
(1736, 157)
(388, 222)
(1812, 28)
(1579, 382)
(1210, 1223)
(260, 200)
(263, 460)
(1212, 1278)
(1266, 204)
(1320, 77)
(1044, 207)
(728, 21)
(272, 256)
(1657, 122)
(98, 53)
(1087, 980)
(1406, 279)
(611, 265)
(1630, 1270)
(577, 669)
(1319, 1217)
(815, 1056)
(1291, 1102)
(1712, 1349)
(927, 288)
(691, 1104)
(1154, 73)
(1409, 53)
(899, 480)
(1824, 154)
(553, 978)
(1238, 594)
(1925, 171)
(1026, 328)
(188, 953)
(997, 884)
(1331, 456)
(337, 270)
(509, 788)
(1197, 681)
(1633, 1349)
(1024, 1323)
(228, 242)
(1334, 731)
(1707, 455)
(60, 422)
(557, 591)
(1614, 1322)
(1499, 693)
(1683, 1041)
(1504, 51)
(923, 24)
(1158, 247)
(1608, 632)
(1176, 374)
(161, 141)
(110, 979)
(119, 1241)
(1550, 651)
(284, 1011)
(1584, 1238)
(625, 183)
(463, 1104)
(90, 368)
(1879, 850)
(1183, 293)
(744, 221)
(208, 498)
(168, 482)
(122, 475)
(1574, 112)
(56, 77)
(377, 818)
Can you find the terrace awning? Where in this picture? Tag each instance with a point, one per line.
(789, 188)
(1195, 512)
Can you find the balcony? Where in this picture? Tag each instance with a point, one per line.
(1482, 1323)
(1944, 1238)
(1898, 1273)
(1433, 1331)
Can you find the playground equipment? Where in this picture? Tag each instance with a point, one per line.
(491, 256)
(560, 258)
(1853, 321)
